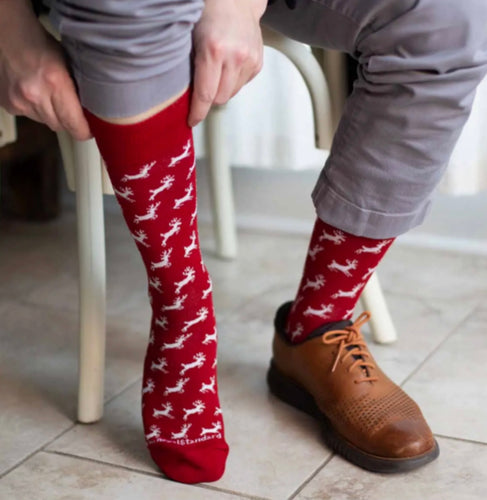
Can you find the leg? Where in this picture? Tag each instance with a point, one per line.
(420, 63)
(148, 150)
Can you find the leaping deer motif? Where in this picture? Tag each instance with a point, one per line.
(348, 294)
(140, 237)
(178, 388)
(337, 238)
(162, 322)
(160, 365)
(210, 337)
(189, 274)
(188, 196)
(151, 213)
(207, 291)
(315, 284)
(149, 387)
(186, 152)
(165, 412)
(126, 193)
(175, 226)
(297, 332)
(323, 312)
(182, 433)
(313, 252)
(375, 249)
(192, 246)
(199, 361)
(177, 305)
(166, 183)
(215, 429)
(197, 409)
(345, 269)
(154, 433)
(155, 283)
(164, 262)
(143, 173)
(202, 314)
(191, 170)
(208, 387)
(177, 344)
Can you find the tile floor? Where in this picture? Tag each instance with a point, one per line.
(438, 301)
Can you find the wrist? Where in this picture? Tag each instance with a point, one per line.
(259, 7)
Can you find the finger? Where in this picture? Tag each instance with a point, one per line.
(45, 113)
(69, 112)
(206, 79)
(228, 81)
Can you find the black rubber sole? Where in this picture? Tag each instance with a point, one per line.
(288, 391)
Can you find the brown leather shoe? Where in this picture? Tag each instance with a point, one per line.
(365, 417)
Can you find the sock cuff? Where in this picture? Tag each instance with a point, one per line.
(139, 143)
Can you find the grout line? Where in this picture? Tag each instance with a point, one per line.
(37, 450)
(452, 333)
(462, 440)
(158, 475)
(311, 477)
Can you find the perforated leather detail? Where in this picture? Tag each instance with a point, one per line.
(370, 415)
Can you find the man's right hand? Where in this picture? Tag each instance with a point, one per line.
(34, 79)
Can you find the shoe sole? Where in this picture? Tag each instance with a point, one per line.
(291, 393)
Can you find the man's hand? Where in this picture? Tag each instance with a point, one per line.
(34, 79)
(227, 52)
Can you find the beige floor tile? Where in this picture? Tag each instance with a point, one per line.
(460, 473)
(48, 476)
(38, 382)
(451, 386)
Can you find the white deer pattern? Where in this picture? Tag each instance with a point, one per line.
(162, 322)
(177, 344)
(164, 262)
(151, 213)
(345, 269)
(186, 152)
(197, 409)
(140, 237)
(149, 387)
(314, 251)
(155, 283)
(165, 412)
(166, 183)
(348, 294)
(183, 432)
(217, 426)
(175, 226)
(143, 173)
(154, 432)
(160, 365)
(189, 274)
(208, 387)
(202, 314)
(178, 388)
(337, 238)
(210, 337)
(187, 197)
(207, 291)
(192, 246)
(125, 193)
(177, 305)
(315, 284)
(199, 361)
(375, 249)
(323, 312)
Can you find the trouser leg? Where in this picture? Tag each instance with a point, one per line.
(420, 62)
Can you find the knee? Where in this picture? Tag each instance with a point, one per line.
(433, 36)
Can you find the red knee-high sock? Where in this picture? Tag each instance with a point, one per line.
(152, 168)
(337, 268)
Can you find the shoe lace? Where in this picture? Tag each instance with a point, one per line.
(350, 339)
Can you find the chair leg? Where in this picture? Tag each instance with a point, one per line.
(220, 184)
(92, 282)
(381, 325)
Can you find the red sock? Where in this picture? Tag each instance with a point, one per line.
(337, 268)
(152, 168)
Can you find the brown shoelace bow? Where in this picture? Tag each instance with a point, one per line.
(350, 337)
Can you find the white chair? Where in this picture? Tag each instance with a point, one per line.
(87, 176)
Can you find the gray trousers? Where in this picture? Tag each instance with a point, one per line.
(420, 62)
